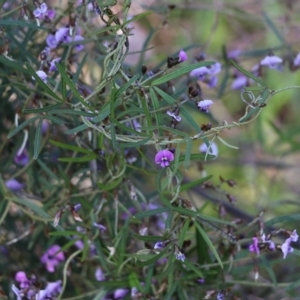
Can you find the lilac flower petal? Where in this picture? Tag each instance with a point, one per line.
(180, 256)
(182, 56)
(271, 61)
(297, 60)
(159, 245)
(239, 83)
(254, 247)
(14, 185)
(294, 236)
(51, 41)
(163, 157)
(101, 227)
(51, 14)
(286, 248)
(200, 72)
(52, 67)
(42, 75)
(99, 274)
(213, 149)
(61, 33)
(204, 105)
(22, 159)
(119, 293)
(171, 114)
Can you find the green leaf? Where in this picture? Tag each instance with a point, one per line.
(181, 72)
(168, 270)
(194, 183)
(85, 249)
(13, 64)
(32, 206)
(137, 17)
(269, 269)
(153, 212)
(70, 147)
(196, 156)
(225, 143)
(153, 259)
(188, 150)
(283, 219)
(192, 266)
(79, 159)
(165, 96)
(41, 83)
(23, 24)
(189, 119)
(41, 109)
(209, 243)
(71, 85)
(66, 233)
(38, 139)
(47, 170)
(157, 115)
(21, 126)
(110, 186)
(147, 238)
(248, 74)
(124, 87)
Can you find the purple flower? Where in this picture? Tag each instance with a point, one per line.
(52, 289)
(164, 157)
(22, 158)
(17, 292)
(271, 61)
(213, 149)
(180, 256)
(286, 248)
(208, 74)
(51, 41)
(99, 274)
(52, 67)
(200, 72)
(42, 75)
(101, 227)
(201, 280)
(61, 34)
(120, 293)
(297, 60)
(254, 247)
(294, 236)
(22, 279)
(42, 12)
(174, 116)
(239, 82)
(51, 258)
(159, 245)
(14, 185)
(204, 105)
(182, 56)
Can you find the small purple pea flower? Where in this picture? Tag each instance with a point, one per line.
(52, 67)
(286, 247)
(21, 158)
(14, 185)
(213, 149)
(271, 61)
(42, 12)
(51, 258)
(174, 116)
(22, 279)
(164, 157)
(99, 275)
(180, 256)
(204, 105)
(254, 247)
(42, 75)
(182, 56)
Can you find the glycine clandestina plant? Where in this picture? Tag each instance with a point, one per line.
(95, 152)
